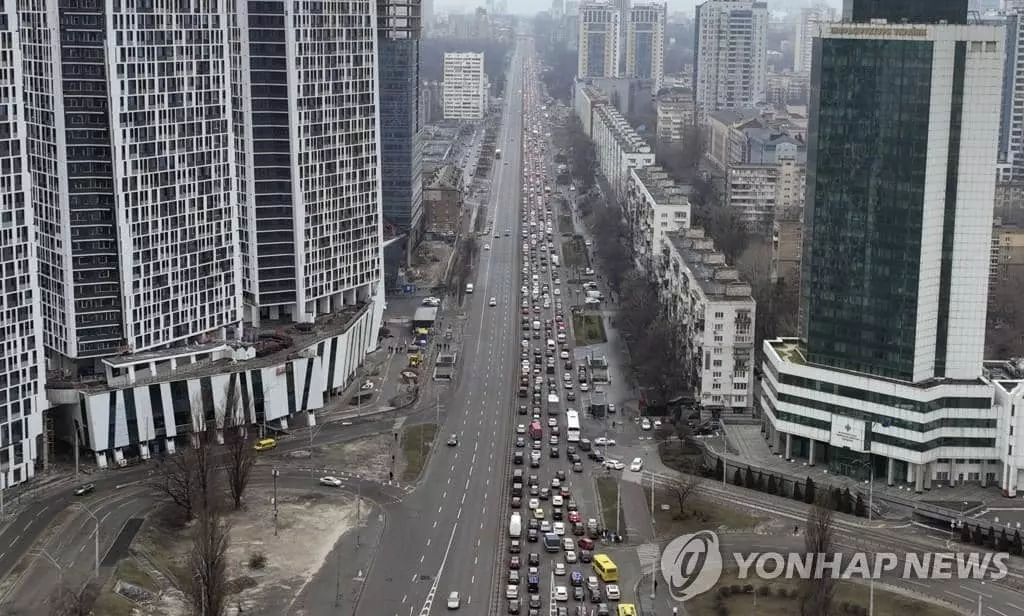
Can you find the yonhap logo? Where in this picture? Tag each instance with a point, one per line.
(692, 564)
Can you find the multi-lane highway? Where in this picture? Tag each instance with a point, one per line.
(442, 537)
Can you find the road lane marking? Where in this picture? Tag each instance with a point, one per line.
(997, 611)
(435, 523)
(405, 598)
(463, 500)
(445, 495)
(428, 542)
(439, 509)
(422, 556)
(459, 513)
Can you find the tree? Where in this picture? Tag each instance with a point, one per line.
(860, 510)
(809, 495)
(817, 594)
(737, 478)
(773, 486)
(749, 480)
(67, 600)
(208, 589)
(798, 494)
(1017, 547)
(1004, 335)
(241, 456)
(189, 478)
(688, 485)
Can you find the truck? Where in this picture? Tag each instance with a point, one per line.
(593, 293)
(553, 404)
(515, 526)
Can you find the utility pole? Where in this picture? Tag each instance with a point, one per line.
(77, 444)
(618, 506)
(437, 409)
(275, 473)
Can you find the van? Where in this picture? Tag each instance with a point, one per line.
(536, 326)
(552, 542)
(469, 287)
(551, 343)
(265, 444)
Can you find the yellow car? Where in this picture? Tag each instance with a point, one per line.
(265, 444)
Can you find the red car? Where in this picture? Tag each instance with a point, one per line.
(585, 543)
(574, 516)
(514, 563)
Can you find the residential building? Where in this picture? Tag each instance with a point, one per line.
(443, 194)
(464, 91)
(134, 204)
(599, 25)
(783, 89)
(713, 311)
(1007, 254)
(731, 54)
(790, 183)
(586, 100)
(677, 113)
(654, 205)
(645, 43)
(888, 378)
(22, 362)
(787, 246)
(244, 129)
(770, 145)
(750, 192)
(807, 26)
(724, 137)
(619, 148)
(401, 157)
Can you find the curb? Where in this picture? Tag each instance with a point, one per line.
(373, 560)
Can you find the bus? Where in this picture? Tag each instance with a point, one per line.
(572, 423)
(605, 569)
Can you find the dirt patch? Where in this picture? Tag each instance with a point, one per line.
(428, 264)
(308, 526)
(369, 457)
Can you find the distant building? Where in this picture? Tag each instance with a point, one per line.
(713, 311)
(599, 27)
(807, 27)
(731, 41)
(465, 87)
(676, 115)
(645, 43)
(1007, 262)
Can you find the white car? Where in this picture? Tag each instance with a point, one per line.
(657, 424)
(433, 302)
(557, 291)
(570, 557)
(552, 422)
(545, 526)
(454, 601)
(511, 591)
(645, 424)
(557, 501)
(333, 482)
(487, 246)
(604, 442)
(559, 528)
(614, 465)
(561, 593)
(534, 503)
(493, 302)
(564, 355)
(559, 568)
(611, 592)
(520, 429)
(636, 465)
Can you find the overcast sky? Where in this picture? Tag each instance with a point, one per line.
(532, 7)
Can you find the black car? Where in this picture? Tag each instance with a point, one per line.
(585, 444)
(534, 524)
(522, 409)
(560, 474)
(513, 606)
(520, 441)
(535, 601)
(578, 593)
(570, 396)
(595, 595)
(532, 535)
(554, 452)
(586, 556)
(556, 514)
(533, 560)
(517, 502)
(514, 547)
(517, 457)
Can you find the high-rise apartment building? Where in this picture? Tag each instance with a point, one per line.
(464, 91)
(887, 373)
(307, 139)
(398, 69)
(129, 129)
(599, 38)
(731, 67)
(806, 29)
(645, 43)
(22, 367)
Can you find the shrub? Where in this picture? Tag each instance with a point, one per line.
(748, 589)
(257, 560)
(764, 591)
(724, 591)
(736, 589)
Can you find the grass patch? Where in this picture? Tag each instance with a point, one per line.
(588, 329)
(697, 514)
(416, 443)
(575, 254)
(781, 598)
(565, 225)
(109, 603)
(129, 571)
(608, 494)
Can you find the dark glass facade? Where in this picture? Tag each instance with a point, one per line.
(906, 11)
(399, 70)
(867, 147)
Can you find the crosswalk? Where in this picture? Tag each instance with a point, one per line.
(648, 555)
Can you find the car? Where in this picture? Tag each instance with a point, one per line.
(561, 593)
(545, 526)
(578, 594)
(538, 513)
(487, 246)
(535, 602)
(604, 442)
(85, 489)
(432, 302)
(454, 601)
(614, 465)
(511, 591)
(453, 440)
(333, 482)
(575, 517)
(534, 504)
(521, 429)
(552, 422)
(636, 465)
(514, 563)
(513, 605)
(586, 556)
(570, 557)
(533, 560)
(517, 502)
(645, 424)
(593, 583)
(611, 591)
(586, 543)
(559, 528)
(265, 444)
(493, 301)
(514, 547)
(556, 500)
(559, 569)
(520, 442)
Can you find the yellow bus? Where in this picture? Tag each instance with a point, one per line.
(627, 609)
(605, 568)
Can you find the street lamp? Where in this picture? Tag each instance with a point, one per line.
(95, 537)
(871, 510)
(53, 561)
(275, 473)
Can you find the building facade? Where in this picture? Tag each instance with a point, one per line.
(731, 54)
(599, 27)
(750, 193)
(645, 43)
(464, 91)
(619, 148)
(713, 311)
(655, 205)
(22, 363)
(807, 26)
(887, 375)
(132, 183)
(677, 114)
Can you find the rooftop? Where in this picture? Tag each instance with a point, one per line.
(660, 186)
(1011, 370)
(734, 117)
(274, 343)
(717, 279)
(625, 135)
(447, 176)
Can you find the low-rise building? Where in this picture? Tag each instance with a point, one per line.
(619, 148)
(713, 311)
(655, 205)
(676, 113)
(442, 203)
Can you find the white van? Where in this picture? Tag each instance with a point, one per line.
(469, 287)
(551, 343)
(536, 325)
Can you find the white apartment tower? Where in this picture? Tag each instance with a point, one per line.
(600, 36)
(731, 68)
(307, 162)
(128, 126)
(464, 91)
(22, 377)
(806, 29)
(645, 43)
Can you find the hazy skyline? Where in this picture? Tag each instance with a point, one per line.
(532, 7)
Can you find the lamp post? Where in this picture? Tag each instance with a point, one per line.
(95, 537)
(275, 473)
(871, 511)
(53, 561)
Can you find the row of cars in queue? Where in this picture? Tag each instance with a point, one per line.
(545, 519)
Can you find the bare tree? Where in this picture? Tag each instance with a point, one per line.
(240, 454)
(1004, 335)
(687, 486)
(188, 478)
(208, 588)
(67, 600)
(817, 595)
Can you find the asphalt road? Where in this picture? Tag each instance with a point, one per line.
(442, 535)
